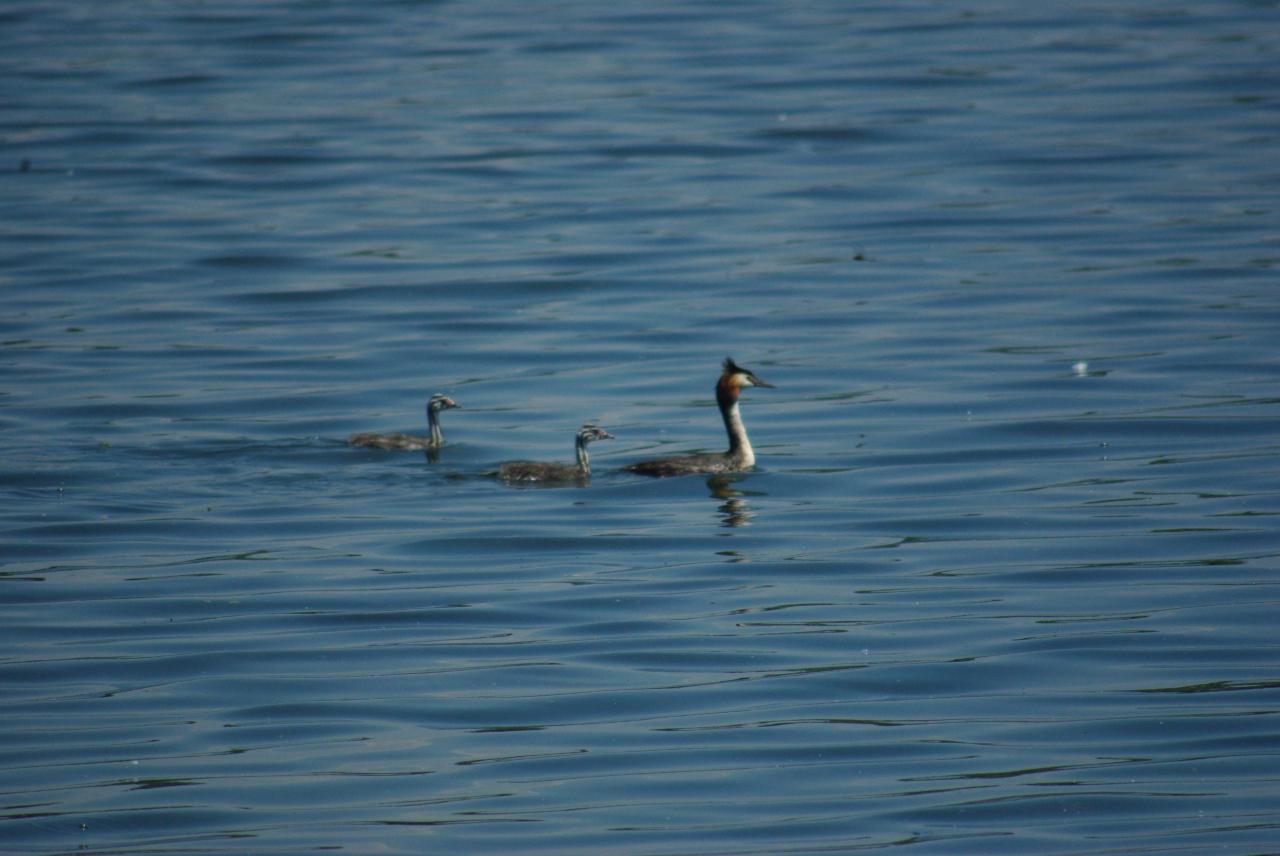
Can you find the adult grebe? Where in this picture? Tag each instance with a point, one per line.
(740, 455)
(536, 471)
(437, 403)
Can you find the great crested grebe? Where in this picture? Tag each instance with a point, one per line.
(740, 455)
(536, 471)
(437, 403)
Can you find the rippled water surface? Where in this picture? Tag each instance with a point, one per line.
(1004, 579)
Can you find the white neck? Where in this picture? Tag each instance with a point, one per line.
(437, 438)
(739, 445)
(581, 447)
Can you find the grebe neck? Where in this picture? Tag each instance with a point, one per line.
(740, 450)
(584, 464)
(437, 437)
(739, 444)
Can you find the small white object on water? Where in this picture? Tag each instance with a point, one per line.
(1081, 368)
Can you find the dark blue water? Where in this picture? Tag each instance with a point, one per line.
(1004, 580)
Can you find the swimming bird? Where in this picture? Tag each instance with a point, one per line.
(437, 403)
(537, 471)
(740, 455)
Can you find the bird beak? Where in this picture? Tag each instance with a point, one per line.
(757, 382)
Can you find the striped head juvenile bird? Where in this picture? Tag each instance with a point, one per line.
(538, 471)
(435, 439)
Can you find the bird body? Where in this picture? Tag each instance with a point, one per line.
(409, 442)
(740, 455)
(539, 471)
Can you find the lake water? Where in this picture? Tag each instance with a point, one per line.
(1005, 579)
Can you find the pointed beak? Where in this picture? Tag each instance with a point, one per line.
(757, 382)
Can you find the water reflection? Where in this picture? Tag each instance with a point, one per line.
(735, 510)
(545, 484)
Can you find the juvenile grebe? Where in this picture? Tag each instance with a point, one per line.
(740, 455)
(536, 471)
(437, 403)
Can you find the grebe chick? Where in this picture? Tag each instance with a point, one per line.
(537, 471)
(740, 455)
(437, 403)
